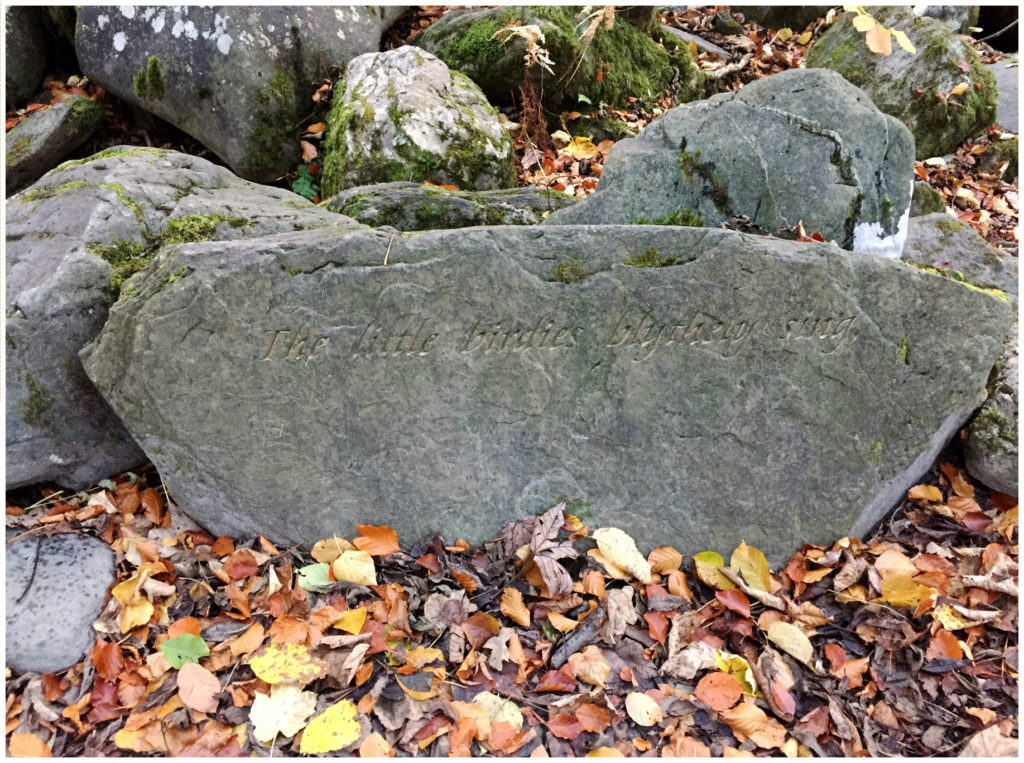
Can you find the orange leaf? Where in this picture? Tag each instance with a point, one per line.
(657, 625)
(960, 484)
(249, 641)
(593, 717)
(664, 559)
(107, 658)
(677, 585)
(748, 720)
(879, 40)
(600, 75)
(944, 645)
(719, 690)
(241, 564)
(376, 541)
(186, 625)
(198, 687)
(734, 600)
(318, 127)
(429, 563)
(51, 688)
(513, 608)
(565, 726)
(556, 680)
(467, 581)
(837, 657)
(561, 622)
(308, 150)
(925, 493)
(223, 546)
(29, 746)
(479, 628)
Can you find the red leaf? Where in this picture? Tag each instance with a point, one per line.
(975, 521)
(556, 680)
(565, 726)
(107, 658)
(104, 702)
(837, 657)
(429, 563)
(657, 625)
(783, 699)
(240, 564)
(734, 600)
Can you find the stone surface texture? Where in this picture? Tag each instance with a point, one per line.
(236, 78)
(992, 443)
(629, 60)
(54, 588)
(941, 241)
(939, 126)
(1007, 75)
(24, 53)
(412, 206)
(39, 142)
(70, 238)
(794, 17)
(799, 145)
(403, 115)
(452, 381)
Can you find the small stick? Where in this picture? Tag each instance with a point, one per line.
(575, 641)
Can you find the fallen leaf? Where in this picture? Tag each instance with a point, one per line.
(329, 549)
(332, 730)
(513, 608)
(376, 541)
(735, 601)
(289, 662)
(581, 148)
(960, 89)
(249, 641)
(351, 620)
(992, 742)
(479, 628)
(925, 493)
(240, 565)
(182, 649)
(556, 680)
(620, 549)
(605, 751)
(590, 666)
(707, 565)
(643, 710)
(28, 745)
(593, 717)
(375, 746)
(944, 645)
(718, 690)
(285, 711)
(753, 566)
(664, 559)
(749, 721)
(791, 639)
(355, 567)
(561, 622)
(198, 687)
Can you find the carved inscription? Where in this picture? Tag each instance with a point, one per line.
(637, 332)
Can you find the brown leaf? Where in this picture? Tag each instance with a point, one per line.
(719, 690)
(565, 726)
(28, 746)
(556, 680)
(513, 608)
(944, 645)
(555, 576)
(479, 628)
(376, 541)
(107, 658)
(198, 687)
(309, 151)
(664, 559)
(593, 717)
(186, 625)
(994, 742)
(657, 625)
(734, 600)
(749, 721)
(241, 564)
(590, 666)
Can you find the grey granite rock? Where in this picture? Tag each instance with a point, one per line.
(991, 452)
(72, 238)
(751, 388)
(39, 142)
(799, 145)
(403, 115)
(24, 53)
(236, 78)
(941, 241)
(1007, 75)
(794, 17)
(54, 588)
(943, 61)
(412, 206)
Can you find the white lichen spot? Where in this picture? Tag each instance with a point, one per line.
(128, 11)
(190, 31)
(224, 43)
(341, 34)
(102, 21)
(178, 28)
(120, 39)
(148, 14)
(158, 23)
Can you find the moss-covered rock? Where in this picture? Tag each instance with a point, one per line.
(915, 87)
(403, 115)
(991, 452)
(617, 62)
(926, 200)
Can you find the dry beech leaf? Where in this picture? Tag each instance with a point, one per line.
(285, 711)
(643, 710)
(198, 687)
(706, 565)
(561, 622)
(513, 608)
(590, 666)
(749, 721)
(719, 691)
(791, 639)
(28, 746)
(664, 559)
(329, 549)
(753, 566)
(355, 567)
(620, 549)
(926, 493)
(605, 752)
(376, 541)
(593, 717)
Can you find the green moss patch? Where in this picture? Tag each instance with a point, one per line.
(650, 258)
(149, 81)
(39, 401)
(682, 217)
(569, 272)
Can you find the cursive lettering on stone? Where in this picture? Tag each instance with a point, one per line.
(294, 345)
(411, 338)
(832, 333)
(486, 336)
(641, 332)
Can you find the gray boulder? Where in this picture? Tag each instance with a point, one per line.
(925, 201)
(40, 141)
(799, 145)
(959, 18)
(403, 115)
(904, 84)
(72, 239)
(992, 449)
(236, 78)
(25, 46)
(1007, 76)
(54, 588)
(943, 242)
(700, 386)
(412, 206)
(794, 17)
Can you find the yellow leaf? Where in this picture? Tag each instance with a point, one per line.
(804, 38)
(590, 666)
(791, 639)
(284, 712)
(134, 740)
(288, 662)
(513, 608)
(902, 591)
(620, 549)
(664, 559)
(879, 40)
(352, 620)
(613, 572)
(581, 148)
(904, 41)
(561, 622)
(335, 728)
(423, 684)
(327, 550)
(609, 752)
(928, 493)
(949, 618)
(694, 52)
(421, 655)
(862, 22)
(135, 614)
(738, 668)
(355, 567)
(959, 89)
(499, 709)
(784, 34)
(752, 565)
(643, 710)
(706, 565)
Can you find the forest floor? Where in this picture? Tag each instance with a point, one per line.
(555, 639)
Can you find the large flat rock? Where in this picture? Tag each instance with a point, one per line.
(751, 389)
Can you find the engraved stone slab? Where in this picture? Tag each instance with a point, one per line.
(750, 389)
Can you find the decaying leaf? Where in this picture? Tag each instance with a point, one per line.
(334, 729)
(198, 687)
(590, 666)
(355, 567)
(288, 663)
(620, 550)
(284, 711)
(791, 639)
(643, 710)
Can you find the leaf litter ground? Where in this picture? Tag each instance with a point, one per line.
(554, 639)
